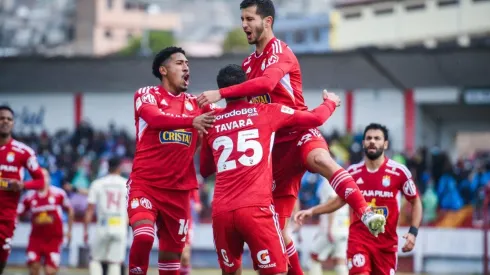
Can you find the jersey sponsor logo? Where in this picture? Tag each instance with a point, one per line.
(386, 181)
(43, 218)
(379, 209)
(10, 157)
(8, 168)
(409, 188)
(146, 203)
(264, 259)
(358, 260)
(287, 110)
(245, 111)
(261, 99)
(176, 136)
(377, 193)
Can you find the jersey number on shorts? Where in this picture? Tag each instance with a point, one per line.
(184, 227)
(245, 142)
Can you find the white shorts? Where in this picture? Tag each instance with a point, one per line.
(108, 247)
(324, 249)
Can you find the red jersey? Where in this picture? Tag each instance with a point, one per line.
(381, 189)
(278, 77)
(46, 211)
(14, 157)
(165, 139)
(238, 148)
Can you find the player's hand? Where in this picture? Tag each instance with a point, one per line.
(208, 97)
(302, 215)
(409, 243)
(331, 96)
(198, 208)
(203, 121)
(15, 185)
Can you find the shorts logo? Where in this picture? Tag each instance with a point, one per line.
(392, 271)
(226, 261)
(145, 203)
(31, 255)
(349, 264)
(134, 203)
(264, 259)
(55, 258)
(358, 260)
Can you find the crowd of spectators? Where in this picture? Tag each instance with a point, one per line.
(75, 159)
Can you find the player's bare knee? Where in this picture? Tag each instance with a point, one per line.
(141, 222)
(320, 161)
(168, 256)
(185, 259)
(35, 268)
(49, 270)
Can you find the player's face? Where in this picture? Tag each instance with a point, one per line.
(6, 123)
(253, 25)
(176, 72)
(374, 144)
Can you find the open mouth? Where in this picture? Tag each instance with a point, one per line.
(186, 79)
(249, 35)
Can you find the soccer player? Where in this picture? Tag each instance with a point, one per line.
(196, 207)
(331, 238)
(14, 156)
(238, 148)
(380, 180)
(167, 123)
(275, 77)
(106, 197)
(46, 237)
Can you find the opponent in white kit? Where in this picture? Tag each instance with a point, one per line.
(331, 239)
(107, 196)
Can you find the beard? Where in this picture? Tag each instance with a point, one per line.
(373, 155)
(257, 34)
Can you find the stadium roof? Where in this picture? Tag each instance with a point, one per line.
(360, 69)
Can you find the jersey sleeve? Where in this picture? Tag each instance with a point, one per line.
(23, 205)
(278, 64)
(92, 196)
(206, 163)
(146, 107)
(65, 201)
(284, 116)
(32, 165)
(408, 187)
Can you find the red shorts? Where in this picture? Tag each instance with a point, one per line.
(47, 248)
(7, 229)
(259, 228)
(366, 259)
(284, 206)
(168, 208)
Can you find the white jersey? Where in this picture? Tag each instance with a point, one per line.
(341, 218)
(109, 195)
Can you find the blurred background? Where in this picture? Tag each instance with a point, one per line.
(69, 69)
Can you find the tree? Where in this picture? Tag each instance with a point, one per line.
(236, 42)
(157, 41)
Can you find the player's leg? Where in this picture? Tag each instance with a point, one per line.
(34, 254)
(384, 262)
(317, 159)
(116, 254)
(51, 254)
(259, 226)
(173, 226)
(320, 249)
(338, 256)
(6, 233)
(185, 260)
(142, 216)
(359, 260)
(228, 243)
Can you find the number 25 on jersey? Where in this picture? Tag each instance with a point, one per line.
(247, 140)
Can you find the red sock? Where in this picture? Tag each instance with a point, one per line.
(169, 267)
(345, 187)
(295, 265)
(139, 254)
(185, 269)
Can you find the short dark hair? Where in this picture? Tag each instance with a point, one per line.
(230, 75)
(114, 164)
(163, 56)
(264, 8)
(376, 126)
(5, 107)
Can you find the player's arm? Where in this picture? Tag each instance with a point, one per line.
(284, 116)
(38, 181)
(66, 204)
(326, 208)
(410, 192)
(266, 83)
(206, 163)
(89, 213)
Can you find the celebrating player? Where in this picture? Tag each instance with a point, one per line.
(167, 122)
(237, 148)
(275, 77)
(331, 238)
(14, 156)
(107, 196)
(46, 236)
(380, 180)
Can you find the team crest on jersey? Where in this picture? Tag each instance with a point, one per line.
(10, 157)
(263, 65)
(176, 136)
(386, 181)
(51, 200)
(261, 99)
(383, 210)
(188, 106)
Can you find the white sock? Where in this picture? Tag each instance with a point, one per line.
(114, 269)
(339, 269)
(95, 268)
(315, 268)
